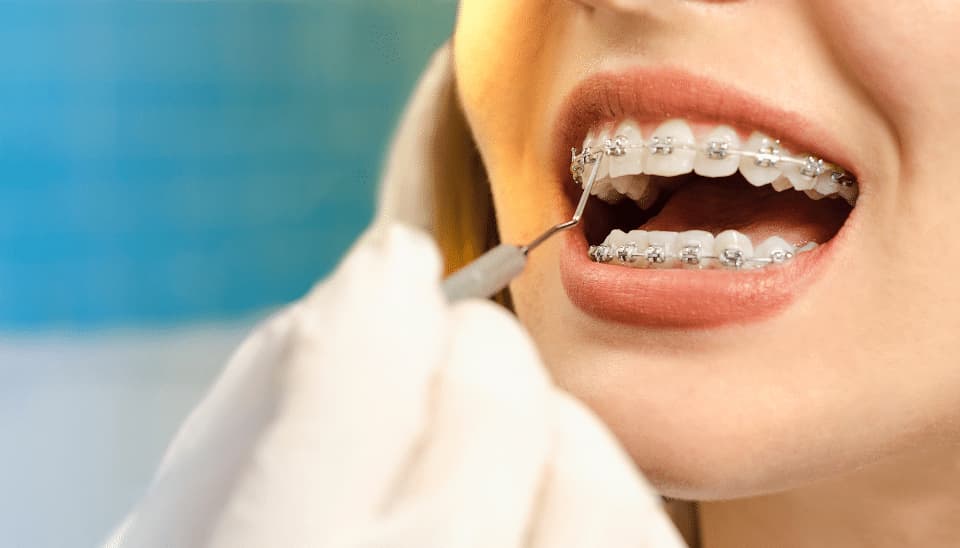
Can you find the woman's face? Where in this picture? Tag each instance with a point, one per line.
(724, 382)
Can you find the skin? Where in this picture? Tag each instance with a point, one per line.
(837, 421)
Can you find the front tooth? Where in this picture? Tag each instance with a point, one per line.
(649, 197)
(631, 162)
(693, 246)
(733, 249)
(671, 150)
(714, 157)
(776, 249)
(761, 170)
(661, 248)
(633, 186)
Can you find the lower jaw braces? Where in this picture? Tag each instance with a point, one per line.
(690, 257)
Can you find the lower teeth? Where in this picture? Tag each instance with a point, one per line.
(696, 249)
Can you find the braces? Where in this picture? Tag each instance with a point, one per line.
(768, 155)
(691, 256)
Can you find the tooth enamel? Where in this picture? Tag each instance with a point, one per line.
(714, 157)
(776, 249)
(649, 197)
(804, 176)
(604, 190)
(760, 170)
(782, 183)
(826, 184)
(661, 248)
(813, 194)
(671, 150)
(693, 245)
(632, 186)
(631, 162)
(636, 243)
(616, 238)
(733, 249)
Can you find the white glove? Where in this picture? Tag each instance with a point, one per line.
(374, 414)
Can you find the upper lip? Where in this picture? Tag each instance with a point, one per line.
(656, 94)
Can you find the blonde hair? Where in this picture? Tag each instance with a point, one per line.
(434, 176)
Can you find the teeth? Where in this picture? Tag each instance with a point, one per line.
(715, 158)
(804, 177)
(776, 249)
(671, 150)
(595, 141)
(694, 245)
(631, 162)
(604, 189)
(631, 186)
(615, 239)
(733, 249)
(627, 161)
(761, 169)
(781, 184)
(661, 248)
(649, 197)
(826, 184)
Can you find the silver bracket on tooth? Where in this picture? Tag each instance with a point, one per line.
(690, 255)
(616, 146)
(732, 258)
(718, 150)
(601, 253)
(842, 178)
(576, 167)
(662, 146)
(780, 256)
(656, 254)
(628, 253)
(768, 155)
(813, 167)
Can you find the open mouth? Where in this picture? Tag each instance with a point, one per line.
(700, 216)
(701, 196)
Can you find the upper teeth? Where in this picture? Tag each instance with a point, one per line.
(673, 150)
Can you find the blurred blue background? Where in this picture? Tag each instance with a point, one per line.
(168, 172)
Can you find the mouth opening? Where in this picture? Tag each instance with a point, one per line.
(692, 202)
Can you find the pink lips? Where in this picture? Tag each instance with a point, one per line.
(677, 298)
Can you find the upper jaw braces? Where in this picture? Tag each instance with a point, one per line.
(769, 155)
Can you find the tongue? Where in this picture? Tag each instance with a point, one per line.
(716, 205)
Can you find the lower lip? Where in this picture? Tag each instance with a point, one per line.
(679, 298)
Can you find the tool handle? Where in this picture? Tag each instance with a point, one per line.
(486, 276)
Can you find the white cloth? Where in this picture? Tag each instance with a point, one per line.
(375, 414)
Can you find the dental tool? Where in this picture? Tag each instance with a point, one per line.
(495, 269)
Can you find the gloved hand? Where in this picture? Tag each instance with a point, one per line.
(375, 414)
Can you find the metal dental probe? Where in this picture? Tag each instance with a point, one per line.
(495, 269)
